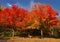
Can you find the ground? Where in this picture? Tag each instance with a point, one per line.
(17, 39)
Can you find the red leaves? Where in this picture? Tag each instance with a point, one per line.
(14, 7)
(45, 12)
(19, 17)
(53, 22)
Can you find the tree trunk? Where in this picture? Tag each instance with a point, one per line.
(52, 32)
(12, 34)
(41, 33)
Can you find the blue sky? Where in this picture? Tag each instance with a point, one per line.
(27, 3)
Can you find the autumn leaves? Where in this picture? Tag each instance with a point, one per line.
(40, 14)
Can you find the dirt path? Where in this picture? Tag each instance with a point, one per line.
(17, 39)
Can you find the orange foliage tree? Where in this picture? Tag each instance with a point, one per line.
(45, 14)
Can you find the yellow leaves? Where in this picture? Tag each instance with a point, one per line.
(1, 8)
(35, 25)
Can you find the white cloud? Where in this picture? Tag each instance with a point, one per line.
(9, 5)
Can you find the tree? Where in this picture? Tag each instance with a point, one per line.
(45, 15)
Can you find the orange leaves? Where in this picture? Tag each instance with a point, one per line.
(53, 22)
(1, 8)
(48, 7)
(45, 13)
(22, 18)
(50, 10)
